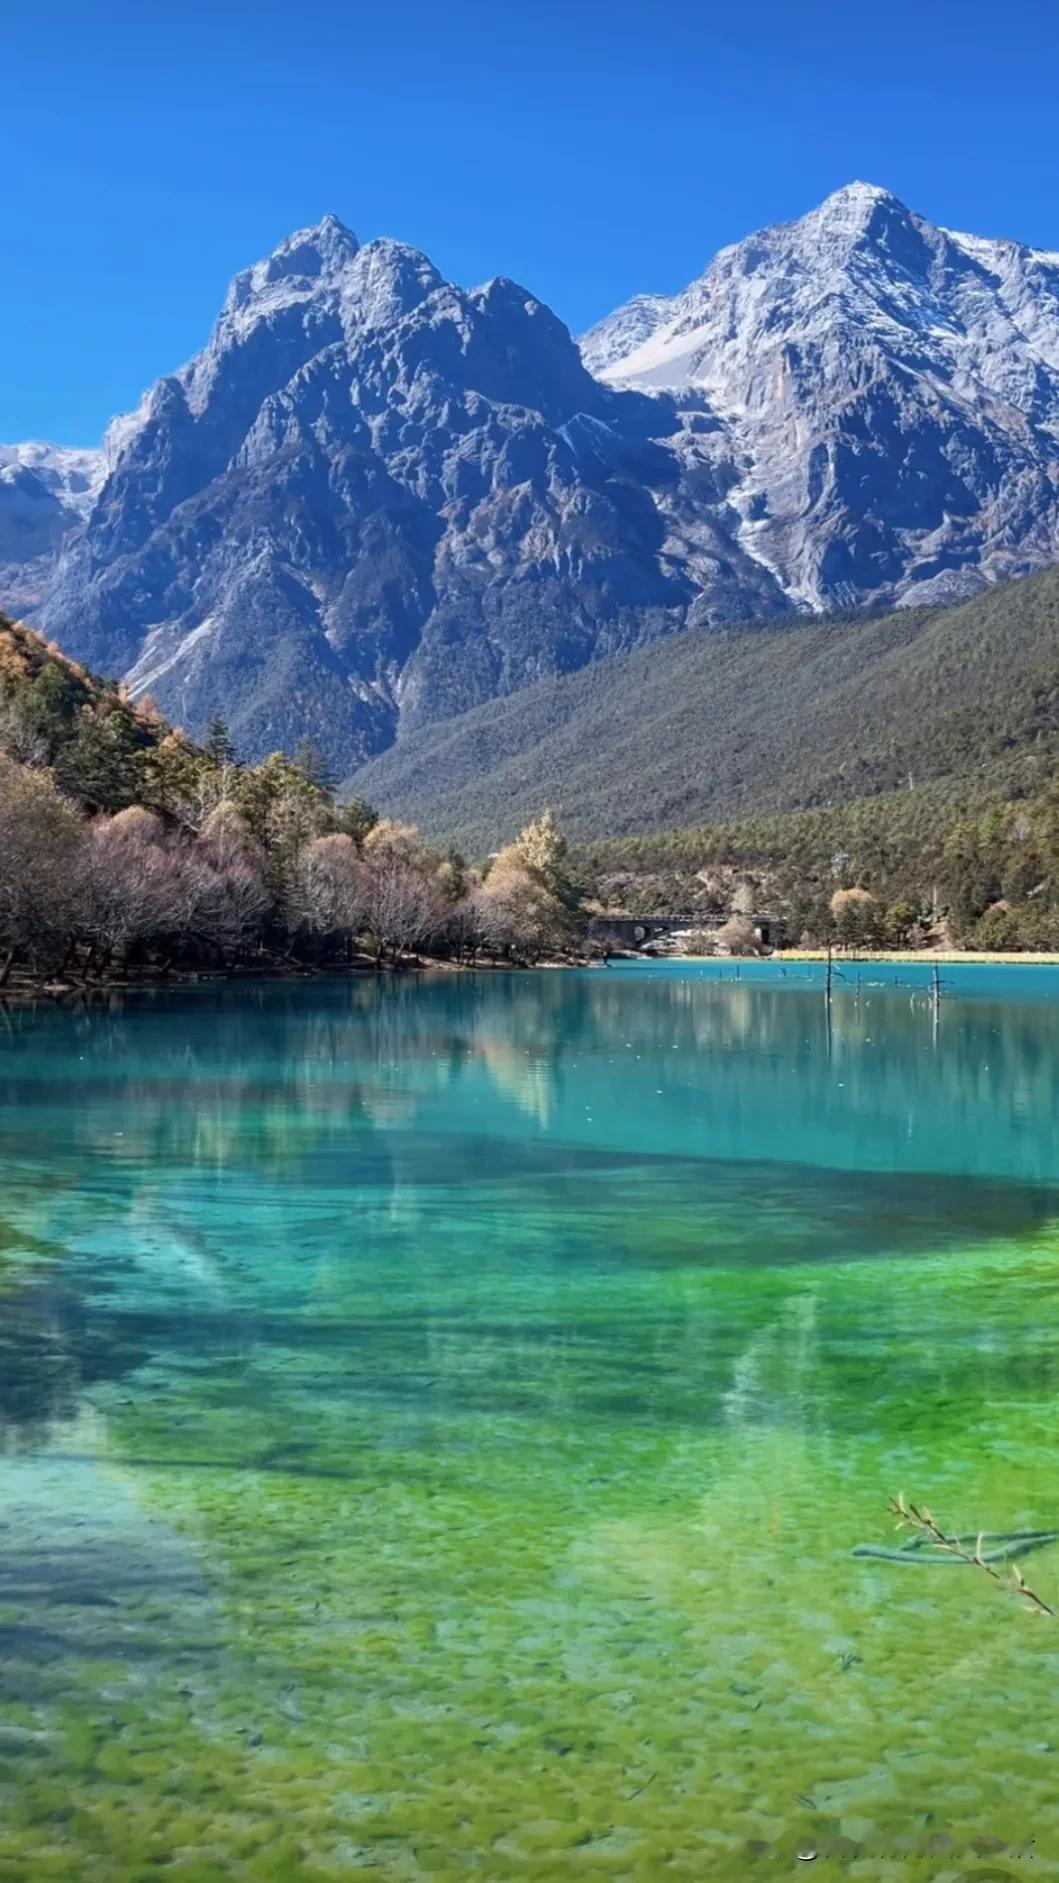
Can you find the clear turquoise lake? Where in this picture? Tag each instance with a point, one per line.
(437, 1416)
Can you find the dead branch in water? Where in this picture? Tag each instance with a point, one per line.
(910, 1516)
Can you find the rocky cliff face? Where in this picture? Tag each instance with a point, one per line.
(889, 392)
(376, 499)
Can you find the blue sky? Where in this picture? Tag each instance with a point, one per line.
(589, 148)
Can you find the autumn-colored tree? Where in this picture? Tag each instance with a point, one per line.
(527, 906)
(390, 838)
(737, 937)
(856, 917)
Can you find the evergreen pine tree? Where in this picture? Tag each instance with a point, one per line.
(219, 747)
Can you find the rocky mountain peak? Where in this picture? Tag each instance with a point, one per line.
(385, 281)
(622, 332)
(890, 393)
(864, 220)
(376, 497)
(309, 255)
(855, 206)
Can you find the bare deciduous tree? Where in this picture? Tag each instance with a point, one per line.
(20, 738)
(40, 838)
(229, 897)
(405, 901)
(334, 889)
(402, 908)
(133, 886)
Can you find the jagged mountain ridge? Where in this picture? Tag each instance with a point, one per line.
(376, 499)
(889, 391)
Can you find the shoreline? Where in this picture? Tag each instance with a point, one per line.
(943, 957)
(908, 957)
(21, 992)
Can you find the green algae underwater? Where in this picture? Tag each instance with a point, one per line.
(437, 1416)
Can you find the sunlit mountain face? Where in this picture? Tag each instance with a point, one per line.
(376, 498)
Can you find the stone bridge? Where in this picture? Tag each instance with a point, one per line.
(641, 931)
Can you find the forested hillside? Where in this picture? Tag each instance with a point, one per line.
(921, 747)
(742, 722)
(965, 864)
(126, 847)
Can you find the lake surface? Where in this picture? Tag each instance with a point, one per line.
(436, 1418)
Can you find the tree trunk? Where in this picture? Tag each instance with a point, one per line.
(5, 967)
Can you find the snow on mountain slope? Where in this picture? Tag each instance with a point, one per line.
(63, 468)
(890, 391)
(626, 330)
(44, 491)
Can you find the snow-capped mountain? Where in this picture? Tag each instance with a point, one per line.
(376, 498)
(889, 391)
(44, 491)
